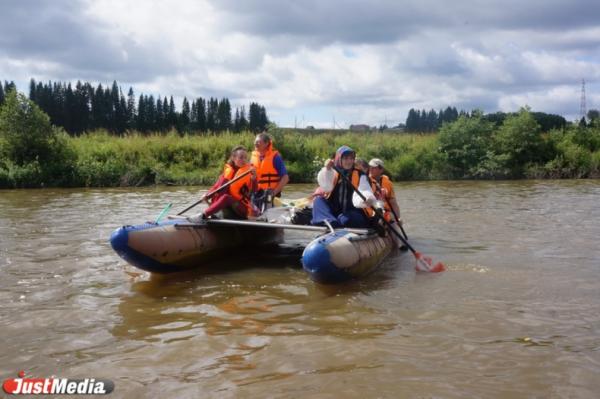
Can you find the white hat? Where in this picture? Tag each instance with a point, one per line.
(376, 162)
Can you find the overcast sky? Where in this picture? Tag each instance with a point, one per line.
(313, 62)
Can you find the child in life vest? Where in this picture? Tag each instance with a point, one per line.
(237, 196)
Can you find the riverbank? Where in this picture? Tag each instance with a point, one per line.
(103, 160)
(35, 154)
(134, 160)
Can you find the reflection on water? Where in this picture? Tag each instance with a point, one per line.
(175, 307)
(516, 314)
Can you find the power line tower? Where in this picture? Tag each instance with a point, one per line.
(582, 106)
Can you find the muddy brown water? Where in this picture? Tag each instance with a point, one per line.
(517, 314)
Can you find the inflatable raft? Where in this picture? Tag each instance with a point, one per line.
(179, 244)
(344, 254)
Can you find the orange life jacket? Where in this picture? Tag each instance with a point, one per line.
(354, 179)
(242, 189)
(228, 171)
(387, 184)
(227, 175)
(267, 175)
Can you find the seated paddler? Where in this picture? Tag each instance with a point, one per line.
(240, 176)
(340, 205)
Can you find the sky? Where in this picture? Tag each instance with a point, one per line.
(325, 63)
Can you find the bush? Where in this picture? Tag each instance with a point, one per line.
(465, 143)
(404, 167)
(595, 165)
(517, 142)
(588, 137)
(34, 152)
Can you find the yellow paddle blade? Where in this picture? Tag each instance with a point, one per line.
(296, 203)
(301, 202)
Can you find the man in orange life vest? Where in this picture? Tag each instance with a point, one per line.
(384, 191)
(384, 187)
(271, 172)
(341, 206)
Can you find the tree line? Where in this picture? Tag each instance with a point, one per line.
(432, 121)
(84, 108)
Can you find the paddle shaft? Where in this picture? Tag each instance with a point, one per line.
(397, 219)
(320, 229)
(377, 211)
(224, 186)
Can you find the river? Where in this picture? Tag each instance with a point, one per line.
(516, 315)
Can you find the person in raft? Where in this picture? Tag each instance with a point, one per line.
(340, 205)
(384, 190)
(237, 197)
(363, 166)
(270, 169)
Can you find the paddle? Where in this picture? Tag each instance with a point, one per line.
(424, 263)
(206, 196)
(295, 203)
(163, 213)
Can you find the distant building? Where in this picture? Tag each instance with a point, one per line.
(395, 129)
(360, 128)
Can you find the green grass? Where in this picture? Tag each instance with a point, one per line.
(135, 159)
(105, 160)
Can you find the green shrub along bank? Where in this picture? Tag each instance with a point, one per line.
(33, 153)
(476, 149)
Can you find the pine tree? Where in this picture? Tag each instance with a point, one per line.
(243, 119)
(194, 116)
(224, 115)
(432, 119)
(184, 118)
(254, 117)
(171, 114)
(32, 90)
(141, 114)
(151, 114)
(264, 120)
(115, 108)
(211, 114)
(236, 121)
(122, 116)
(109, 111)
(130, 113)
(68, 111)
(97, 105)
(160, 118)
(81, 117)
(8, 86)
(412, 121)
(201, 114)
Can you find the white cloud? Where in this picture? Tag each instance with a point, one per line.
(358, 62)
(556, 98)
